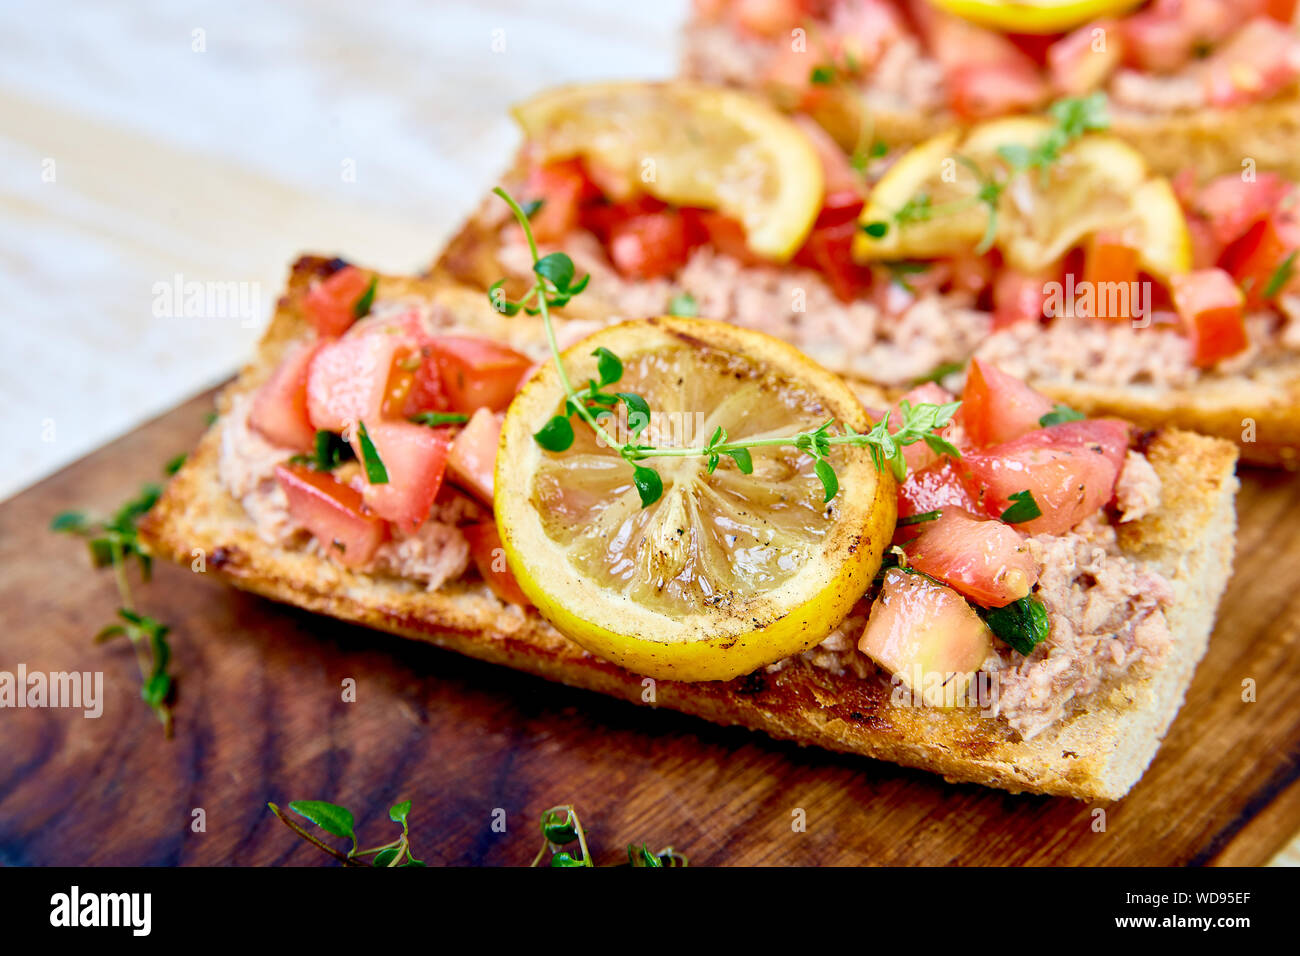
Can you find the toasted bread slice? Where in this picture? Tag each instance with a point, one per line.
(1259, 411)
(1210, 141)
(1097, 753)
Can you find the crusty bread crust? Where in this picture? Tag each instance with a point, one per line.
(1098, 753)
(1260, 412)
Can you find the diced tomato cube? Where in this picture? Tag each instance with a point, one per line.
(490, 559)
(940, 486)
(1258, 62)
(562, 188)
(472, 461)
(981, 90)
(279, 409)
(348, 379)
(649, 246)
(723, 233)
(986, 560)
(1255, 258)
(415, 457)
(1078, 63)
(1070, 469)
(1212, 308)
(1156, 42)
(1283, 11)
(479, 373)
(333, 513)
(1110, 263)
(828, 251)
(1231, 205)
(997, 407)
(1018, 297)
(331, 304)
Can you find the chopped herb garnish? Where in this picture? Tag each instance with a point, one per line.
(376, 473)
(434, 419)
(683, 304)
(1023, 624)
(363, 304)
(822, 75)
(939, 373)
(1024, 508)
(875, 229)
(1059, 415)
(175, 464)
(921, 518)
(531, 208)
(330, 452)
(1281, 276)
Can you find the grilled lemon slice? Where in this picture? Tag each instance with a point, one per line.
(726, 571)
(690, 145)
(1034, 16)
(927, 201)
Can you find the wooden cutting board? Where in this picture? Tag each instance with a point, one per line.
(260, 716)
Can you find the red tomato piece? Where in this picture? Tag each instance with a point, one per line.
(562, 188)
(330, 305)
(472, 461)
(723, 233)
(415, 457)
(1070, 469)
(478, 373)
(1074, 63)
(279, 409)
(333, 513)
(1018, 297)
(932, 489)
(1231, 206)
(1109, 262)
(997, 407)
(986, 560)
(649, 246)
(982, 90)
(1256, 63)
(1256, 257)
(1212, 308)
(348, 380)
(490, 559)
(828, 251)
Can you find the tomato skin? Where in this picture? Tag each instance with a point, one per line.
(1212, 308)
(940, 486)
(1069, 468)
(333, 513)
(279, 410)
(1018, 297)
(562, 188)
(985, 560)
(349, 378)
(650, 245)
(330, 305)
(489, 557)
(478, 373)
(471, 462)
(415, 457)
(997, 407)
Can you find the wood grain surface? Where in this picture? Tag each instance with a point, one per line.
(260, 716)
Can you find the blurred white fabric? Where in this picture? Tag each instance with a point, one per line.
(153, 143)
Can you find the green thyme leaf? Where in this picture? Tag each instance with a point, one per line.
(640, 856)
(1023, 624)
(648, 484)
(638, 411)
(532, 207)
(1059, 415)
(555, 435)
(830, 483)
(175, 464)
(684, 305)
(434, 419)
(330, 817)
(822, 75)
(876, 229)
(376, 473)
(742, 459)
(69, 522)
(363, 304)
(556, 268)
(608, 365)
(1024, 508)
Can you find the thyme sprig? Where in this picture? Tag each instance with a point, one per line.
(555, 285)
(115, 542)
(560, 827)
(1072, 117)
